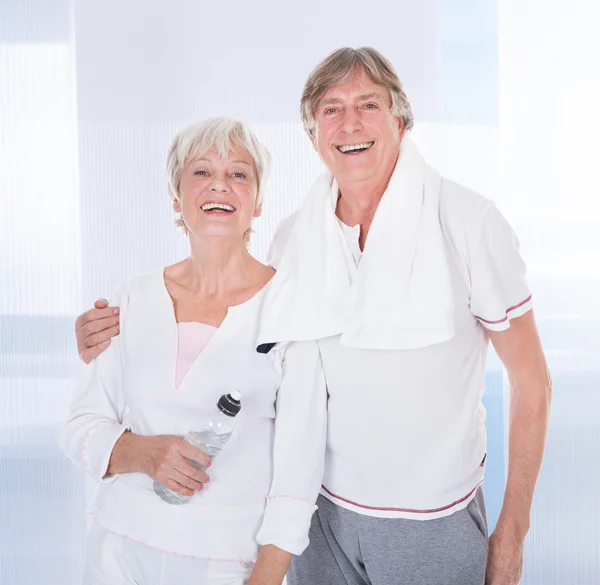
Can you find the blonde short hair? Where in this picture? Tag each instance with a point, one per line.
(338, 67)
(223, 134)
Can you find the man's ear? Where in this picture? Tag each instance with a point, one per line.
(401, 128)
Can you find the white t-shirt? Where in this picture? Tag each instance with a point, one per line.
(352, 235)
(406, 432)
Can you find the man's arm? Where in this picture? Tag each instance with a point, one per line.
(94, 330)
(520, 351)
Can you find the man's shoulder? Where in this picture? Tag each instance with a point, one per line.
(462, 208)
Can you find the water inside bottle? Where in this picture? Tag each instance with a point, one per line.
(209, 442)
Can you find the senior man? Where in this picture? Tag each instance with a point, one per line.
(403, 277)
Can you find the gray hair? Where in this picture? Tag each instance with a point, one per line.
(338, 67)
(223, 134)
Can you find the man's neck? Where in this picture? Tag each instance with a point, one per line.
(358, 202)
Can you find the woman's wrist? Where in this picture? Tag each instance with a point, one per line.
(271, 566)
(128, 454)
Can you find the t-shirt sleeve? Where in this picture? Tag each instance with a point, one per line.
(499, 289)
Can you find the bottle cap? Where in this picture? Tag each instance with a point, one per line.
(229, 404)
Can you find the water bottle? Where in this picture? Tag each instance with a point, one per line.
(209, 435)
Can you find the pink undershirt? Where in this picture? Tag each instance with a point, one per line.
(193, 338)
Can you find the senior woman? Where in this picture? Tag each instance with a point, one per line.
(250, 511)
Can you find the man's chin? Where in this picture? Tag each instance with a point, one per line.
(353, 173)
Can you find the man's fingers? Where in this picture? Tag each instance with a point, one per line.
(101, 304)
(190, 452)
(100, 337)
(99, 325)
(87, 355)
(95, 314)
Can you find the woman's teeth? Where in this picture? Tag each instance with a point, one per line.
(217, 207)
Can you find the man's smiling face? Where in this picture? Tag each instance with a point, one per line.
(356, 135)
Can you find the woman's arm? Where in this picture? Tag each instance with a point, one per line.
(165, 458)
(271, 566)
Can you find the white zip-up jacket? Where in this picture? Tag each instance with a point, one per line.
(264, 483)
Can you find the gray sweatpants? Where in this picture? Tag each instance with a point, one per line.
(347, 548)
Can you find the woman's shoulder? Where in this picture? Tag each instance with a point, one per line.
(149, 282)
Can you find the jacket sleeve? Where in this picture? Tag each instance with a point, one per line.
(299, 449)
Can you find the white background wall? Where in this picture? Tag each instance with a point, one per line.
(145, 69)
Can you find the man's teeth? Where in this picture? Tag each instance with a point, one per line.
(213, 206)
(352, 147)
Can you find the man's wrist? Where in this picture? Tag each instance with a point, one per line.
(514, 524)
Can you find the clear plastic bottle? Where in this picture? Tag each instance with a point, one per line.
(210, 435)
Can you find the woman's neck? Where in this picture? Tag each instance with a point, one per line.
(217, 267)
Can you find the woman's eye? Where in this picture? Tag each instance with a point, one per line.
(371, 106)
(329, 111)
(200, 173)
(239, 175)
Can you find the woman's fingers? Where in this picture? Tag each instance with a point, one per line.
(186, 486)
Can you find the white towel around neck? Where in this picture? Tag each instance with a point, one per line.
(399, 297)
